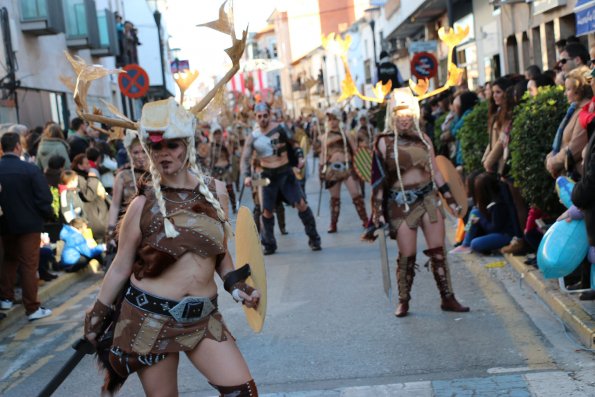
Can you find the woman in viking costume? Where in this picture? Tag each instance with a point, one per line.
(176, 233)
(125, 183)
(160, 288)
(220, 157)
(408, 198)
(336, 168)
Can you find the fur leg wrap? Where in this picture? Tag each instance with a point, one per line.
(440, 270)
(360, 207)
(405, 275)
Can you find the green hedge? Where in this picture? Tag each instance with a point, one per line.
(534, 127)
(473, 136)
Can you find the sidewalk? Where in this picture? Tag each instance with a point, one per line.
(578, 316)
(46, 292)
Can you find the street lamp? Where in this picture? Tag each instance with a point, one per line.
(372, 14)
(157, 16)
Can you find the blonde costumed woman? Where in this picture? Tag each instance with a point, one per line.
(408, 199)
(336, 168)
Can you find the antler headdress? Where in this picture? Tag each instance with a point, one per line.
(164, 119)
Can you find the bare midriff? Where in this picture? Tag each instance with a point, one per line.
(191, 275)
(414, 177)
(274, 161)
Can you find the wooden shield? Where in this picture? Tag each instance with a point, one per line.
(249, 251)
(457, 188)
(362, 163)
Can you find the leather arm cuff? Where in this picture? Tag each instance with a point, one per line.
(97, 319)
(444, 188)
(237, 276)
(299, 153)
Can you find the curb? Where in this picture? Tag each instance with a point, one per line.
(46, 292)
(573, 315)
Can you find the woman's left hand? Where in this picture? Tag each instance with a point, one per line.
(251, 300)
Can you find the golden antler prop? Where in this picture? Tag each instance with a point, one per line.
(340, 45)
(69, 82)
(85, 74)
(451, 38)
(184, 80)
(225, 25)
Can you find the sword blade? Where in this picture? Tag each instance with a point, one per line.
(82, 348)
(384, 265)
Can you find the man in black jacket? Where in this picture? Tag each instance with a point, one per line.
(387, 70)
(26, 201)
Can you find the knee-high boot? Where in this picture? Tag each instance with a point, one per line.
(256, 215)
(360, 207)
(280, 210)
(248, 389)
(405, 275)
(335, 210)
(232, 197)
(309, 222)
(442, 276)
(267, 235)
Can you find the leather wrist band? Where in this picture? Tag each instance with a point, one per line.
(444, 188)
(236, 276)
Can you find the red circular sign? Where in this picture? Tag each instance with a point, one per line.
(424, 65)
(135, 82)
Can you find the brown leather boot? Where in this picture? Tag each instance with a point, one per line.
(405, 276)
(450, 304)
(360, 207)
(335, 210)
(442, 276)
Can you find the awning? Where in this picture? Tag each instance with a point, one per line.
(585, 17)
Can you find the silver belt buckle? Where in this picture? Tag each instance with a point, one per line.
(192, 309)
(406, 197)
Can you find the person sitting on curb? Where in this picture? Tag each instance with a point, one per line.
(78, 250)
(490, 222)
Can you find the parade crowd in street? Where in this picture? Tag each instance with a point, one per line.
(64, 193)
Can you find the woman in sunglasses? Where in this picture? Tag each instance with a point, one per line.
(336, 168)
(173, 238)
(407, 198)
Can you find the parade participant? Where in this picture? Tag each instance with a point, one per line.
(125, 183)
(336, 167)
(277, 152)
(257, 199)
(220, 157)
(408, 199)
(363, 134)
(173, 239)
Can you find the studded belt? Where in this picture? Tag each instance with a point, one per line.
(410, 196)
(188, 310)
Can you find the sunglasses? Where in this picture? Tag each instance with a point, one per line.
(262, 116)
(157, 146)
(562, 61)
(591, 62)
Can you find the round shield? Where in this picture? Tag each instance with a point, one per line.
(457, 188)
(362, 163)
(249, 251)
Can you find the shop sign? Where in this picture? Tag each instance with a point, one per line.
(541, 6)
(585, 21)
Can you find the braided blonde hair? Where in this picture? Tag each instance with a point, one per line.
(204, 190)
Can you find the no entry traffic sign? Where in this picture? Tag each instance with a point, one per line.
(424, 65)
(135, 82)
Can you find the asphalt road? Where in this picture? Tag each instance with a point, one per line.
(329, 325)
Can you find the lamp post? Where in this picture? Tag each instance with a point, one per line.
(157, 16)
(372, 15)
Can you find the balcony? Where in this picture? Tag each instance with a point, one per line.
(39, 18)
(82, 29)
(108, 36)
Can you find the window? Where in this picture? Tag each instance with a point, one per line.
(33, 9)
